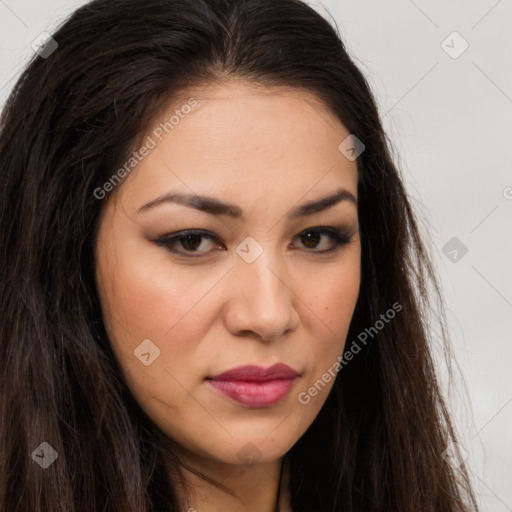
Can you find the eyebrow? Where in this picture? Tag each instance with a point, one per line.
(214, 206)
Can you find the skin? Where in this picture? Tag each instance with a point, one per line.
(266, 151)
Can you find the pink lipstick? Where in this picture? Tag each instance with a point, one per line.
(254, 386)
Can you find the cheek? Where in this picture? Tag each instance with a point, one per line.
(332, 308)
(331, 295)
(148, 298)
(142, 308)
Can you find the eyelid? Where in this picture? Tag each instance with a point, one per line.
(339, 235)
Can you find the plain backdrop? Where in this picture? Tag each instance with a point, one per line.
(441, 73)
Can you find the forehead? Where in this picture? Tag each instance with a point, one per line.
(239, 135)
(234, 111)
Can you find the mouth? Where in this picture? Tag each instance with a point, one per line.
(254, 386)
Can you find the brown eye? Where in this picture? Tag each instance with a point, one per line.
(311, 239)
(191, 243)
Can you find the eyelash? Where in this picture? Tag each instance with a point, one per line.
(339, 237)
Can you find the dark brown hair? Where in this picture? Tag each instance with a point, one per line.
(71, 120)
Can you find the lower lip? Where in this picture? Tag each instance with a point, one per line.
(254, 394)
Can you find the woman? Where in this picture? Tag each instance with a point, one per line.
(214, 290)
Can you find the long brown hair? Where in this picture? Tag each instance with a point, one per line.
(72, 119)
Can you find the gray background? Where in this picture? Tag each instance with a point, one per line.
(449, 118)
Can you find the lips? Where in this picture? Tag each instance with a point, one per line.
(255, 386)
(253, 373)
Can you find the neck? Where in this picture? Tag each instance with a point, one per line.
(244, 487)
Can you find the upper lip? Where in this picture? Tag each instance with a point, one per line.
(257, 373)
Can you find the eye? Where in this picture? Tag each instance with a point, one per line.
(312, 237)
(190, 242)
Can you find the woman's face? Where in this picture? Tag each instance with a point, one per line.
(260, 281)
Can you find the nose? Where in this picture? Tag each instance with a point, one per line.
(262, 303)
